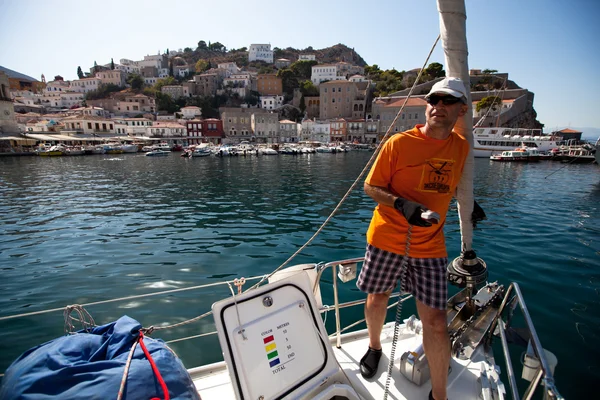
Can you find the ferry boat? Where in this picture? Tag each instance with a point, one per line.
(487, 141)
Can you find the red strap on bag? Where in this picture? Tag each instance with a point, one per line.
(163, 385)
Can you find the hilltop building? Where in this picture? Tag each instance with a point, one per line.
(260, 52)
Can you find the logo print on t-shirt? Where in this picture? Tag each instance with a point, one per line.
(437, 175)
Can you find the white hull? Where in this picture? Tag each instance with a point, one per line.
(213, 381)
(489, 141)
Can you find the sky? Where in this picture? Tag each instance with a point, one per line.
(546, 46)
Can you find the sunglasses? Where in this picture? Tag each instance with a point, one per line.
(446, 100)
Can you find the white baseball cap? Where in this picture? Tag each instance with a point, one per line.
(452, 86)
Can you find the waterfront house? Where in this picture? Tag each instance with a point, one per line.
(338, 130)
(132, 126)
(289, 131)
(312, 130)
(212, 130)
(166, 130)
(385, 110)
(237, 124)
(265, 126)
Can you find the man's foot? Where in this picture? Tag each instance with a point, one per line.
(370, 362)
(431, 395)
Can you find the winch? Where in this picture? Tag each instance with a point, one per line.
(468, 271)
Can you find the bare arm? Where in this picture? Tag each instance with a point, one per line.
(381, 195)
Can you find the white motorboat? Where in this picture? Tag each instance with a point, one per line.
(129, 148)
(488, 141)
(157, 152)
(74, 151)
(515, 155)
(267, 151)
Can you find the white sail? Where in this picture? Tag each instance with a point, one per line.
(454, 41)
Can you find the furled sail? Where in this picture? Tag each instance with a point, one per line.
(454, 41)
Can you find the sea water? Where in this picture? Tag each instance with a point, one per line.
(76, 230)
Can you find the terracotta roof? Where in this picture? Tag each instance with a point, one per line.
(412, 102)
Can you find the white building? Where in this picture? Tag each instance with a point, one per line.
(158, 61)
(163, 72)
(166, 130)
(315, 131)
(357, 78)
(89, 124)
(93, 111)
(182, 70)
(289, 131)
(191, 112)
(271, 102)
(230, 67)
(306, 57)
(260, 52)
(85, 85)
(132, 126)
(324, 72)
(151, 81)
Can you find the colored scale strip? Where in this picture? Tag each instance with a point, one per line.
(270, 348)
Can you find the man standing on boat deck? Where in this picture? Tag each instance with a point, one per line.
(416, 171)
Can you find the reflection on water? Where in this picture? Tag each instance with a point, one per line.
(85, 229)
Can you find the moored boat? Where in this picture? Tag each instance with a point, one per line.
(157, 152)
(521, 155)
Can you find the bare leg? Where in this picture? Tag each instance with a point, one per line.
(437, 347)
(375, 310)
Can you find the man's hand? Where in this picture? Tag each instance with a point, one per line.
(412, 211)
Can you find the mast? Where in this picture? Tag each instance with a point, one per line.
(454, 41)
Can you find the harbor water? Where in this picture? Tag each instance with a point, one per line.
(76, 230)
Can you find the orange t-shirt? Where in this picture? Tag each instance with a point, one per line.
(422, 169)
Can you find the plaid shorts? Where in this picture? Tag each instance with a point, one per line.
(425, 278)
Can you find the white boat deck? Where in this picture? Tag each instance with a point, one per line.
(213, 381)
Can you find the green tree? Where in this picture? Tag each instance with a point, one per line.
(103, 91)
(169, 80)
(302, 104)
(112, 64)
(171, 68)
(216, 46)
(488, 102)
(187, 50)
(303, 69)
(489, 71)
(307, 88)
(289, 80)
(136, 81)
(201, 66)
(202, 45)
(80, 72)
(435, 70)
(167, 51)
